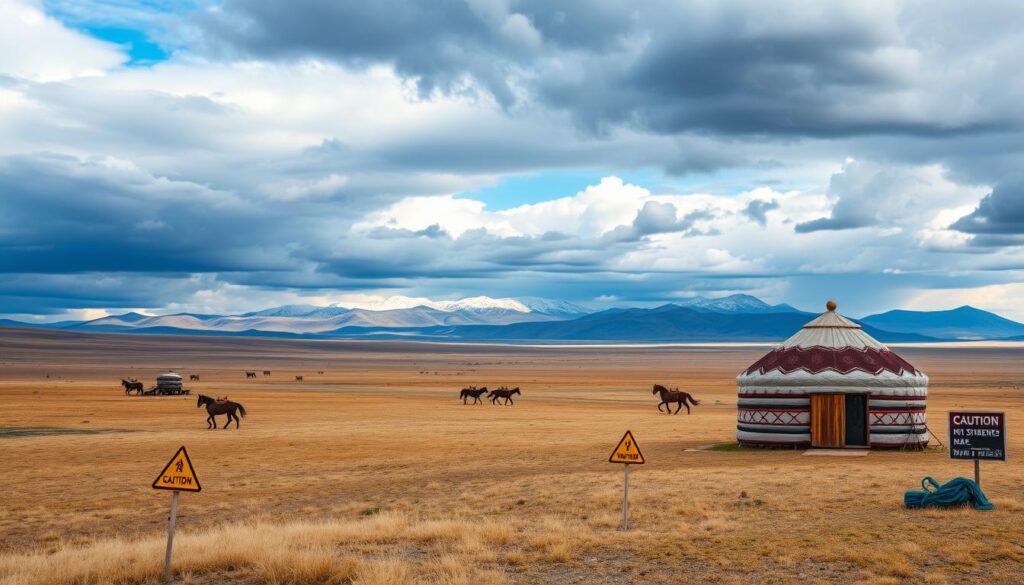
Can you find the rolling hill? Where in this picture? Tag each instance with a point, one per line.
(961, 323)
(529, 319)
(668, 323)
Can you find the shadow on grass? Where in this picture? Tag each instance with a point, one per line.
(8, 432)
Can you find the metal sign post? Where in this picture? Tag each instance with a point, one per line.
(627, 452)
(625, 498)
(170, 535)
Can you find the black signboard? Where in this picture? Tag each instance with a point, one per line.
(977, 435)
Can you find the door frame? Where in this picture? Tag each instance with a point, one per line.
(867, 418)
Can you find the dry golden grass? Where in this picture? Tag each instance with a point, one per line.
(375, 473)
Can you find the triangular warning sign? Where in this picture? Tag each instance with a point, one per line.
(178, 475)
(627, 451)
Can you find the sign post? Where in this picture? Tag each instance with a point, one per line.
(628, 453)
(178, 476)
(977, 436)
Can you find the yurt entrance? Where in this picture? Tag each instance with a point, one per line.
(839, 420)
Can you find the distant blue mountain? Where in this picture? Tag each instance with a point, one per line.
(738, 303)
(961, 323)
(668, 323)
(732, 318)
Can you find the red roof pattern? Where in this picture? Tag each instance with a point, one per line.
(842, 360)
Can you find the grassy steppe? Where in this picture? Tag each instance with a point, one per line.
(375, 473)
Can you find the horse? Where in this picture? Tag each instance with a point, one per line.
(266, 372)
(193, 377)
(218, 407)
(133, 385)
(680, 398)
(504, 393)
(250, 375)
(321, 372)
(474, 393)
(298, 378)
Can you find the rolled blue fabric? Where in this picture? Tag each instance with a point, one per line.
(956, 492)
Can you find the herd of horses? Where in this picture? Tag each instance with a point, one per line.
(298, 377)
(668, 397)
(495, 395)
(234, 410)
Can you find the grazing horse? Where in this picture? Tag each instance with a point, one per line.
(504, 393)
(250, 375)
(298, 378)
(193, 377)
(680, 398)
(129, 386)
(218, 407)
(474, 393)
(266, 372)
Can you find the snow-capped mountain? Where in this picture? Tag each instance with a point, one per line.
(739, 303)
(390, 313)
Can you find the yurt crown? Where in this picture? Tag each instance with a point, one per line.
(831, 305)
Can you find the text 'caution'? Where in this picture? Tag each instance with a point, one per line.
(178, 475)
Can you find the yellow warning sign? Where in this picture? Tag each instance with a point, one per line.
(178, 475)
(627, 451)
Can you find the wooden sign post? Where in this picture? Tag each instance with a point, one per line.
(178, 476)
(628, 453)
(977, 436)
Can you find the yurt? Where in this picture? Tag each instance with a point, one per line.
(832, 385)
(169, 383)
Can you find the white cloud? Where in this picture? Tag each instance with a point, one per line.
(38, 47)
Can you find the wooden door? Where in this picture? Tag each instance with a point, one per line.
(828, 420)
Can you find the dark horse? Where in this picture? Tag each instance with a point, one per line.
(194, 377)
(504, 393)
(680, 398)
(218, 407)
(129, 386)
(474, 393)
(250, 375)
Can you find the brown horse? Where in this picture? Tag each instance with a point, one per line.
(680, 398)
(266, 372)
(298, 378)
(504, 393)
(474, 393)
(129, 386)
(218, 407)
(193, 377)
(250, 375)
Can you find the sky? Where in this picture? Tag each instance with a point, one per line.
(221, 157)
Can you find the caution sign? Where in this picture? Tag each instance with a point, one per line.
(977, 435)
(178, 475)
(627, 451)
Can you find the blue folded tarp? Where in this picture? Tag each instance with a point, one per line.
(955, 492)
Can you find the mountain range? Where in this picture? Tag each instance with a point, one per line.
(524, 320)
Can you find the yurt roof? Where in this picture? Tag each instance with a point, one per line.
(169, 376)
(832, 343)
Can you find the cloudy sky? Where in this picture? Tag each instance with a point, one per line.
(228, 156)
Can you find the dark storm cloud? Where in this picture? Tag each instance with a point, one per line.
(758, 209)
(59, 214)
(659, 218)
(778, 69)
(999, 218)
